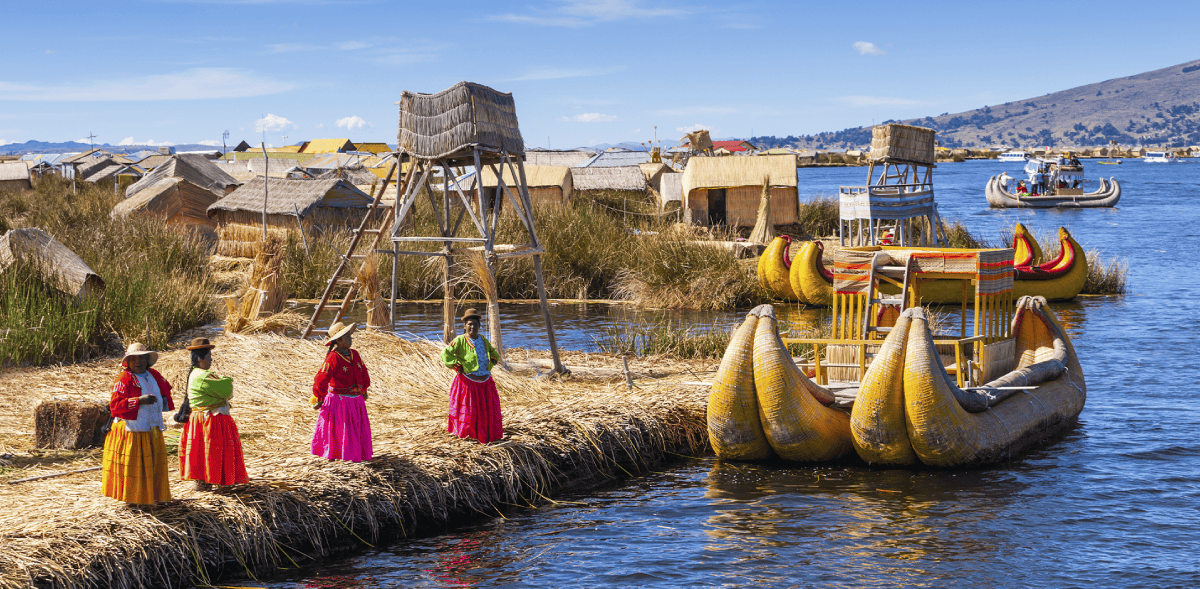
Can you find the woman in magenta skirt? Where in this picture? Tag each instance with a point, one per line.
(474, 402)
(340, 394)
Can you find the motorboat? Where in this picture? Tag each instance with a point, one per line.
(1159, 157)
(1015, 155)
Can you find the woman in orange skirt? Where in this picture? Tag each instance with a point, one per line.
(134, 467)
(210, 449)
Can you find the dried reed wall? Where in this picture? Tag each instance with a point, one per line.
(741, 205)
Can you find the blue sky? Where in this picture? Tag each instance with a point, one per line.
(581, 72)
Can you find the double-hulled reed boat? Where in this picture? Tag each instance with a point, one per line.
(902, 392)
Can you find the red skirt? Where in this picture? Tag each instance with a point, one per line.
(475, 410)
(210, 450)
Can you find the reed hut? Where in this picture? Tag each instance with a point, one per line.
(15, 176)
(180, 191)
(620, 179)
(290, 204)
(375, 148)
(548, 185)
(654, 173)
(727, 190)
(328, 146)
(58, 265)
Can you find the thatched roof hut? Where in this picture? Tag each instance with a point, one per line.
(328, 146)
(180, 191)
(58, 265)
(15, 176)
(548, 185)
(670, 189)
(654, 173)
(727, 190)
(451, 122)
(619, 178)
(315, 203)
(568, 158)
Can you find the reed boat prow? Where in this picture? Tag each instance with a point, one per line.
(774, 267)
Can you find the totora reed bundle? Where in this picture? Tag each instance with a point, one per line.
(559, 435)
(264, 293)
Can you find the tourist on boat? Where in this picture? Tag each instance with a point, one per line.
(210, 449)
(474, 401)
(340, 394)
(1021, 189)
(134, 466)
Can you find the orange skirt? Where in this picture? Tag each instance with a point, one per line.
(210, 450)
(135, 466)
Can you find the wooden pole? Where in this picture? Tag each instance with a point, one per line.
(266, 181)
(537, 271)
(447, 260)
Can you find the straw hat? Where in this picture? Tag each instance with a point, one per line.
(337, 330)
(136, 349)
(201, 343)
(471, 314)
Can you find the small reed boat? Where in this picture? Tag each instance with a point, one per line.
(774, 266)
(998, 196)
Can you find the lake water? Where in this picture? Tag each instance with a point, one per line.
(1115, 502)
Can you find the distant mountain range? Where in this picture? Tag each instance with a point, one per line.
(1154, 108)
(68, 146)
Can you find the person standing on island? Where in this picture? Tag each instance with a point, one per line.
(340, 394)
(210, 448)
(134, 467)
(474, 401)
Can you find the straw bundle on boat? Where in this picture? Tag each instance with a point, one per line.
(559, 435)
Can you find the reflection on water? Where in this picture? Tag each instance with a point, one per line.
(1110, 503)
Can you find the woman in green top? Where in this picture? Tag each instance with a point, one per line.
(210, 450)
(474, 401)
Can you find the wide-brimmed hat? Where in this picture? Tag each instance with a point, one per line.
(136, 349)
(471, 314)
(201, 343)
(337, 330)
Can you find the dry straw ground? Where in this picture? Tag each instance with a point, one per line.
(60, 532)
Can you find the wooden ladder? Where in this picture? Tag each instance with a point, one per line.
(895, 273)
(350, 257)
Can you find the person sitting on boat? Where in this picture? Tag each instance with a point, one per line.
(340, 393)
(134, 466)
(474, 401)
(1021, 189)
(210, 448)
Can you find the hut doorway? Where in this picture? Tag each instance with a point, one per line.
(716, 206)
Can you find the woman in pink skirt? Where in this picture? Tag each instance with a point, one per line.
(474, 402)
(340, 394)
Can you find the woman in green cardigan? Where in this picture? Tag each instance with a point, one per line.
(474, 401)
(210, 448)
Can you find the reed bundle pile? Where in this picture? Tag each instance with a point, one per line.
(372, 293)
(479, 273)
(264, 293)
(61, 532)
(764, 225)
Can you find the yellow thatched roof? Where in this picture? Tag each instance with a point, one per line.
(535, 176)
(735, 171)
(329, 146)
(285, 149)
(372, 147)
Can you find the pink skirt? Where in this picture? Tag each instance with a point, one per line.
(475, 410)
(343, 429)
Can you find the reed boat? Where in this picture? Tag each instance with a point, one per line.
(999, 196)
(914, 393)
(909, 410)
(1059, 279)
(761, 404)
(774, 267)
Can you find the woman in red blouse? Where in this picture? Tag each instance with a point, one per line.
(135, 457)
(340, 394)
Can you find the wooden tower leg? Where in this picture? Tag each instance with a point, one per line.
(537, 268)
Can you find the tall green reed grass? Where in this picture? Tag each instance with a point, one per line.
(157, 277)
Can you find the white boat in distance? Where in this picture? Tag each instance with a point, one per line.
(1014, 156)
(1161, 157)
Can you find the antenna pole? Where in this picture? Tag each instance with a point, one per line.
(266, 180)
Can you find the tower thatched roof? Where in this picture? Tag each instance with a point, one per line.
(454, 120)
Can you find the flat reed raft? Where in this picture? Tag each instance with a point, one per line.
(560, 435)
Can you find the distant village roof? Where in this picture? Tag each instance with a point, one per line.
(243, 146)
(535, 176)
(734, 146)
(373, 147)
(450, 122)
(194, 168)
(609, 178)
(153, 161)
(286, 196)
(328, 146)
(612, 159)
(545, 157)
(14, 171)
(732, 172)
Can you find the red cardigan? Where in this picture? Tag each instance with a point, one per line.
(126, 390)
(338, 375)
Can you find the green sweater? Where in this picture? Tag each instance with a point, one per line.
(461, 352)
(208, 392)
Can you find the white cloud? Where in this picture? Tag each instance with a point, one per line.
(149, 142)
(581, 13)
(191, 84)
(273, 123)
(351, 123)
(126, 141)
(558, 73)
(882, 101)
(694, 128)
(866, 48)
(4, 142)
(590, 117)
(636, 131)
(320, 125)
(84, 140)
(209, 143)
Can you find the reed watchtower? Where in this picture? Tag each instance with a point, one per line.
(901, 198)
